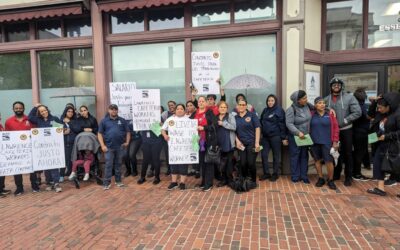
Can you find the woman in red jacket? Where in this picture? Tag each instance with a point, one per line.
(324, 132)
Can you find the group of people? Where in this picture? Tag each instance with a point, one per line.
(338, 124)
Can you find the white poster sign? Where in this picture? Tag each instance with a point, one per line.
(145, 108)
(206, 72)
(180, 132)
(15, 153)
(312, 85)
(47, 148)
(121, 94)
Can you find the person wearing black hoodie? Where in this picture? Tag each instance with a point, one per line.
(386, 124)
(86, 122)
(70, 131)
(274, 134)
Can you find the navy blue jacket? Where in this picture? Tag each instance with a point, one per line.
(81, 123)
(40, 122)
(69, 139)
(273, 122)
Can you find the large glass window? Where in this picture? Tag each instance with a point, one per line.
(383, 23)
(170, 18)
(65, 75)
(78, 27)
(256, 10)
(15, 82)
(155, 66)
(366, 80)
(344, 25)
(17, 32)
(257, 57)
(394, 78)
(211, 14)
(132, 21)
(48, 29)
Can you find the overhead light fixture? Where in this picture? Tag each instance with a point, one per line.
(392, 10)
(379, 43)
(88, 67)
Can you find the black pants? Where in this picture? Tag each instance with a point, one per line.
(226, 166)
(151, 155)
(360, 151)
(68, 163)
(346, 154)
(19, 182)
(131, 159)
(207, 171)
(248, 163)
(274, 143)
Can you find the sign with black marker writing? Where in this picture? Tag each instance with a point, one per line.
(146, 108)
(206, 72)
(121, 95)
(47, 148)
(15, 153)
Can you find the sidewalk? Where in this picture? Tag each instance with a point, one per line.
(277, 215)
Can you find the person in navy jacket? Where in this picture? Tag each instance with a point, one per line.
(274, 134)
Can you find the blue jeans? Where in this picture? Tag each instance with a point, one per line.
(298, 160)
(273, 143)
(53, 174)
(113, 160)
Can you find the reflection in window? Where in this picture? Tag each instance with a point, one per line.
(48, 29)
(78, 27)
(384, 23)
(366, 80)
(166, 19)
(62, 69)
(344, 24)
(132, 21)
(17, 32)
(210, 14)
(254, 10)
(394, 78)
(15, 81)
(257, 57)
(161, 66)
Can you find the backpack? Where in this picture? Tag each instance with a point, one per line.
(242, 184)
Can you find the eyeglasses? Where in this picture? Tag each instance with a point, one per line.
(336, 85)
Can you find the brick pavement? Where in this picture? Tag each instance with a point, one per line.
(277, 215)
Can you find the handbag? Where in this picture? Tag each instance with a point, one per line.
(213, 155)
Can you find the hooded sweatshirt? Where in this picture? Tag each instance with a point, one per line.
(298, 117)
(346, 108)
(273, 120)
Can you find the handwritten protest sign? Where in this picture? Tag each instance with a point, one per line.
(206, 72)
(15, 153)
(121, 94)
(180, 132)
(146, 108)
(47, 148)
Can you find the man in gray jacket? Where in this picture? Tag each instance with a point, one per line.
(347, 110)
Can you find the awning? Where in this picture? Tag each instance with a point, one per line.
(40, 13)
(139, 4)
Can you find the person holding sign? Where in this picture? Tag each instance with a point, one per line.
(176, 169)
(247, 140)
(68, 117)
(324, 131)
(114, 137)
(41, 117)
(298, 117)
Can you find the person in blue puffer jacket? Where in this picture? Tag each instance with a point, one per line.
(41, 117)
(274, 134)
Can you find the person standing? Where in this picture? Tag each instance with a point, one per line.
(324, 132)
(68, 117)
(133, 149)
(273, 136)
(114, 137)
(298, 117)
(19, 122)
(347, 111)
(164, 116)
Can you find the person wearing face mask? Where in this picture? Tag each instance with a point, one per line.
(347, 111)
(41, 117)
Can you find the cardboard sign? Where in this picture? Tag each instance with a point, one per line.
(180, 132)
(47, 148)
(206, 72)
(15, 153)
(145, 108)
(121, 94)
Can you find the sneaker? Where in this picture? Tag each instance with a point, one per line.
(320, 182)
(5, 192)
(376, 191)
(18, 192)
(360, 177)
(294, 180)
(199, 186)
(150, 174)
(120, 184)
(49, 188)
(35, 190)
(61, 180)
(347, 182)
(207, 188)
(331, 184)
(182, 186)
(72, 176)
(274, 177)
(172, 186)
(141, 181)
(306, 181)
(265, 177)
(57, 188)
(390, 182)
(106, 187)
(86, 177)
(156, 181)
